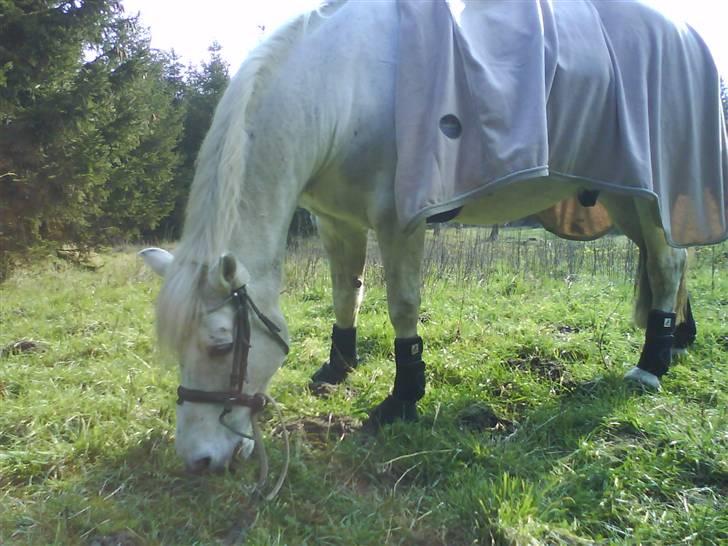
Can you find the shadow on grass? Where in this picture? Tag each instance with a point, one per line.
(142, 494)
(542, 432)
(483, 465)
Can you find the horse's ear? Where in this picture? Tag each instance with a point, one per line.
(229, 273)
(157, 259)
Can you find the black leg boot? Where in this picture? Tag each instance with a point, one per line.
(342, 358)
(686, 331)
(659, 337)
(409, 385)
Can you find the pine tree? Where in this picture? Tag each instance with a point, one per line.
(89, 125)
(145, 134)
(204, 88)
(48, 105)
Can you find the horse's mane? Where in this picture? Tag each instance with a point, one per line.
(212, 216)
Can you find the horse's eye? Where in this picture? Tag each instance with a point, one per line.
(220, 350)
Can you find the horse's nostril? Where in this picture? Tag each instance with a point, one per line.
(200, 465)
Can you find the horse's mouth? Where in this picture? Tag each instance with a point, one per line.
(204, 466)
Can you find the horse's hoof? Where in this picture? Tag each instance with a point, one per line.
(646, 380)
(328, 374)
(389, 411)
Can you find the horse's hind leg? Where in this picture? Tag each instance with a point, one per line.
(346, 248)
(402, 259)
(661, 288)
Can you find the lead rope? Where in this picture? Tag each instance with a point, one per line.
(237, 534)
(263, 456)
(259, 448)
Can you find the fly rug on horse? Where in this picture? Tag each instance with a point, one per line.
(379, 115)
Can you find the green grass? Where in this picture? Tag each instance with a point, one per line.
(527, 433)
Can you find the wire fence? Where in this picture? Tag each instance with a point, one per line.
(456, 255)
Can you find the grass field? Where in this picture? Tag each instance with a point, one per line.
(527, 435)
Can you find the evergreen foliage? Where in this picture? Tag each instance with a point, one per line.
(88, 126)
(200, 92)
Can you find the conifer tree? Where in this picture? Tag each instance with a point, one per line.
(89, 124)
(203, 90)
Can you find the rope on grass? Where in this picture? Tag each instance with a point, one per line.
(237, 534)
(263, 456)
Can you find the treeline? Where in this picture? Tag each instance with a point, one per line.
(98, 131)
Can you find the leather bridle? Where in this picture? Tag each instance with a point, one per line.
(241, 348)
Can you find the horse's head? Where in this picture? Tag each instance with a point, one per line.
(228, 350)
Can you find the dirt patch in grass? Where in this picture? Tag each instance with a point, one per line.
(325, 429)
(481, 418)
(23, 346)
(325, 390)
(546, 368)
(566, 329)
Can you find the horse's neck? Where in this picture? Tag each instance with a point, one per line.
(294, 119)
(349, 68)
(248, 179)
(304, 113)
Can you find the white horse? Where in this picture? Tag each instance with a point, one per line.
(309, 120)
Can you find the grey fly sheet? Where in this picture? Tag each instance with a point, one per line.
(611, 94)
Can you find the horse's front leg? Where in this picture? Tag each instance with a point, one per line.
(346, 248)
(402, 259)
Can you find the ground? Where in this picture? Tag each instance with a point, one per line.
(527, 434)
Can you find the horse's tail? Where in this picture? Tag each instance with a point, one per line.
(643, 294)
(642, 291)
(682, 303)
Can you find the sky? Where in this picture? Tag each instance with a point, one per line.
(190, 26)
